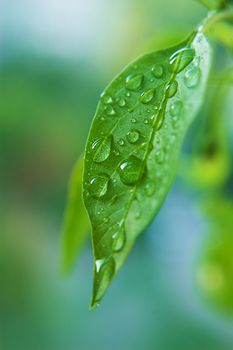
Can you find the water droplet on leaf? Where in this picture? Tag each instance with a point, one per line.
(121, 142)
(119, 240)
(133, 136)
(101, 148)
(172, 88)
(150, 189)
(147, 96)
(130, 170)
(160, 156)
(175, 108)
(110, 110)
(106, 99)
(181, 59)
(160, 117)
(99, 185)
(192, 77)
(121, 102)
(133, 82)
(158, 71)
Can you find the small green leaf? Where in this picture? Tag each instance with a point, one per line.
(76, 223)
(138, 129)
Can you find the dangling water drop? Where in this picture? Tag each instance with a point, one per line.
(192, 77)
(102, 148)
(104, 271)
(133, 136)
(147, 96)
(130, 170)
(133, 82)
(158, 71)
(181, 59)
(99, 185)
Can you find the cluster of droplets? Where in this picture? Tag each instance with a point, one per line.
(108, 101)
(132, 170)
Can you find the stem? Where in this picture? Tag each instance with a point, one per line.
(214, 17)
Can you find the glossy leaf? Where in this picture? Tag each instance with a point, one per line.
(133, 146)
(76, 223)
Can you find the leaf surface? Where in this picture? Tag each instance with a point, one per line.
(76, 223)
(133, 146)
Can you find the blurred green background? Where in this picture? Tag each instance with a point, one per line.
(55, 59)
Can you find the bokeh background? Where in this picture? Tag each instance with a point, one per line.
(55, 59)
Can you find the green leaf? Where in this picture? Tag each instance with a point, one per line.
(133, 145)
(213, 4)
(76, 223)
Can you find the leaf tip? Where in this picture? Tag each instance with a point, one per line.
(104, 271)
(94, 304)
